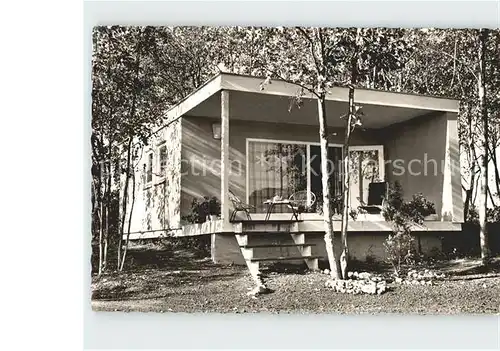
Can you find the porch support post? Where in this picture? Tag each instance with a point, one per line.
(224, 158)
(452, 203)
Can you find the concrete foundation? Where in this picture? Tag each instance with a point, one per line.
(362, 246)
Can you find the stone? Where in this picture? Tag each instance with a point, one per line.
(415, 282)
(398, 280)
(364, 275)
(422, 282)
(326, 271)
(349, 274)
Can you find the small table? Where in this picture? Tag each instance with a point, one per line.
(271, 203)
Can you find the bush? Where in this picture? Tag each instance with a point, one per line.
(418, 208)
(336, 203)
(200, 210)
(400, 245)
(199, 245)
(492, 215)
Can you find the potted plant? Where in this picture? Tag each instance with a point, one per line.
(203, 210)
(213, 209)
(424, 207)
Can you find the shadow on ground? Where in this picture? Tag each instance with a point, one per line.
(178, 281)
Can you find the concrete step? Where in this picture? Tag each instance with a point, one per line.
(288, 258)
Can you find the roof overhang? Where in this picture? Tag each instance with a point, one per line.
(272, 103)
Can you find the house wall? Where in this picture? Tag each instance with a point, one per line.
(201, 152)
(157, 206)
(362, 246)
(423, 155)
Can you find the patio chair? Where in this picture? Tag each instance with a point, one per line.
(299, 201)
(239, 206)
(377, 193)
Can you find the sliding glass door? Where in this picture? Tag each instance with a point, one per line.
(275, 169)
(284, 167)
(334, 165)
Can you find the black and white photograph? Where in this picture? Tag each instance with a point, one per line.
(295, 170)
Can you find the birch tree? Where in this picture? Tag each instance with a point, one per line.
(315, 60)
(137, 74)
(126, 104)
(483, 107)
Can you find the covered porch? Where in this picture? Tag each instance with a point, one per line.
(258, 143)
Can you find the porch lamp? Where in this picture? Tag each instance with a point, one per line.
(216, 130)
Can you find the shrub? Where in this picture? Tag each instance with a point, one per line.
(418, 208)
(214, 206)
(492, 215)
(200, 210)
(336, 203)
(199, 245)
(399, 245)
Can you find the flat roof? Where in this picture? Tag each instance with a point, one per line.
(277, 87)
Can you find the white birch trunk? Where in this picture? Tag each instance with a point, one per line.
(483, 198)
(327, 207)
(127, 240)
(345, 186)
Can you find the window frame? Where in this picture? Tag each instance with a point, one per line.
(161, 177)
(378, 147)
(149, 156)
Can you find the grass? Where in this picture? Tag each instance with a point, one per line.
(178, 281)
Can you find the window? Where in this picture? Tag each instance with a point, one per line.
(284, 167)
(149, 169)
(275, 168)
(162, 160)
(367, 166)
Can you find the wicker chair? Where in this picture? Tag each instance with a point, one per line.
(239, 206)
(299, 201)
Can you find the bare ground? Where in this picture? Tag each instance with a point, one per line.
(178, 282)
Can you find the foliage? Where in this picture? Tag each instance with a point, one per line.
(335, 203)
(472, 215)
(493, 215)
(418, 208)
(403, 215)
(139, 72)
(200, 210)
(198, 245)
(316, 59)
(353, 213)
(364, 165)
(214, 206)
(287, 160)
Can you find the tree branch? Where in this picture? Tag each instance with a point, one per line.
(312, 91)
(311, 44)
